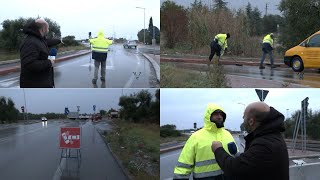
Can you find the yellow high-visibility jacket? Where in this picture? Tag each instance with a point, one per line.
(196, 155)
(268, 39)
(222, 41)
(100, 44)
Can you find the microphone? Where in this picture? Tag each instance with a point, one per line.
(52, 54)
(232, 148)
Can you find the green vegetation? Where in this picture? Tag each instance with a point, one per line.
(8, 112)
(313, 125)
(190, 30)
(173, 77)
(135, 138)
(169, 130)
(137, 145)
(149, 33)
(140, 107)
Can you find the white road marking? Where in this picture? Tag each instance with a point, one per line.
(14, 78)
(130, 81)
(58, 172)
(20, 134)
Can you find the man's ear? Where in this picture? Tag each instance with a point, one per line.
(251, 122)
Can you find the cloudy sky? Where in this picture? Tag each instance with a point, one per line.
(240, 4)
(80, 17)
(183, 107)
(55, 100)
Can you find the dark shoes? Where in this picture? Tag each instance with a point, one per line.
(273, 66)
(261, 67)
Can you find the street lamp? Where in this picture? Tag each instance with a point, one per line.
(287, 113)
(243, 105)
(144, 24)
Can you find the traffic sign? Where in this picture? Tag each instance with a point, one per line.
(262, 94)
(66, 111)
(70, 137)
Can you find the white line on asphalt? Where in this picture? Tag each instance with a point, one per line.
(130, 81)
(58, 172)
(8, 83)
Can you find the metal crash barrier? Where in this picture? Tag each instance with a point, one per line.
(308, 171)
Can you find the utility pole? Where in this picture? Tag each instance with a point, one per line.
(266, 9)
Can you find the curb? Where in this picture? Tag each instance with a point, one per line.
(223, 62)
(155, 65)
(6, 71)
(164, 150)
(119, 162)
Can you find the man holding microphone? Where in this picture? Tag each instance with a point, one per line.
(36, 67)
(265, 156)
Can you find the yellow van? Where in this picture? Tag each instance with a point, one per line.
(305, 55)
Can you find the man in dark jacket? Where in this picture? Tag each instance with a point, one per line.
(265, 155)
(36, 68)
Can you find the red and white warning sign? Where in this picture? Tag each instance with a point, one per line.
(70, 137)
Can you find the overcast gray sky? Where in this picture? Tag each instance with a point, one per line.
(55, 100)
(240, 4)
(81, 16)
(183, 107)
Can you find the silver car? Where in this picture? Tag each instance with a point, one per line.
(130, 44)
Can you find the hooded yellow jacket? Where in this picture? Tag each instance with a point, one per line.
(100, 44)
(222, 41)
(268, 39)
(197, 156)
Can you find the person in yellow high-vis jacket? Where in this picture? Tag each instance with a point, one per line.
(219, 45)
(196, 156)
(267, 48)
(99, 49)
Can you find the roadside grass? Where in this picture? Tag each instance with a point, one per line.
(137, 146)
(5, 56)
(173, 77)
(174, 139)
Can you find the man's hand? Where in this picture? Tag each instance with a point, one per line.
(215, 145)
(52, 62)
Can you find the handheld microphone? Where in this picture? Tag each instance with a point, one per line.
(52, 54)
(232, 148)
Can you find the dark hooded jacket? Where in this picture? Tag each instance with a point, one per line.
(36, 69)
(265, 155)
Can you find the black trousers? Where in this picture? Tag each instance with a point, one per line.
(215, 49)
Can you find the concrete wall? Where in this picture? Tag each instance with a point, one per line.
(305, 172)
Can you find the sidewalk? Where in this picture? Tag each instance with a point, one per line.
(16, 67)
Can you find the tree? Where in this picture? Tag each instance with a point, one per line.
(150, 29)
(302, 18)
(8, 112)
(174, 23)
(70, 41)
(220, 4)
(11, 34)
(103, 112)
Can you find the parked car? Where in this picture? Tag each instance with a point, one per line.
(304, 55)
(43, 119)
(130, 44)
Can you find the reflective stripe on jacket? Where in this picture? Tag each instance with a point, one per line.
(100, 44)
(196, 155)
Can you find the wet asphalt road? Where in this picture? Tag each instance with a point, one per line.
(284, 75)
(168, 161)
(126, 68)
(32, 152)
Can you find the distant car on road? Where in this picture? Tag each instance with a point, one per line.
(43, 119)
(96, 117)
(130, 44)
(304, 55)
